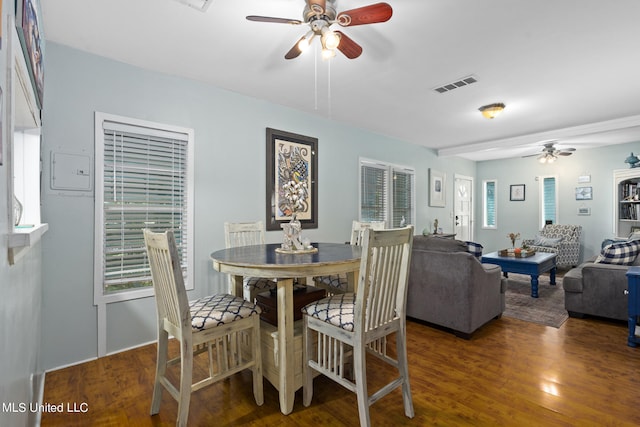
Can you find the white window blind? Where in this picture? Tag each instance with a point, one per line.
(549, 201)
(402, 198)
(386, 193)
(373, 192)
(489, 202)
(145, 184)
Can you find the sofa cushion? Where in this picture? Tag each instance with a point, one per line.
(623, 253)
(546, 241)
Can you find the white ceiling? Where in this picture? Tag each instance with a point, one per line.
(567, 70)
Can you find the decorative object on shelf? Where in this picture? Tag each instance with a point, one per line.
(513, 237)
(436, 188)
(584, 193)
(517, 192)
(492, 110)
(632, 160)
(17, 211)
(435, 226)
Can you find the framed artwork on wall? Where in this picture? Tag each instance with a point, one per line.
(29, 34)
(516, 193)
(584, 193)
(437, 188)
(291, 157)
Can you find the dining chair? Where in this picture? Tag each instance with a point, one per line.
(221, 325)
(349, 326)
(244, 234)
(338, 283)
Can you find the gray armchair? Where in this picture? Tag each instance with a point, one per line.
(560, 239)
(597, 289)
(450, 287)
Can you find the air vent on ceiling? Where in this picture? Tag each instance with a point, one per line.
(201, 5)
(465, 81)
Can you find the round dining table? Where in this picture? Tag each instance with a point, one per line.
(266, 261)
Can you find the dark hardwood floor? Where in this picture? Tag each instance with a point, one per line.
(511, 373)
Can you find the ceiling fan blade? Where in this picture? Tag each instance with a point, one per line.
(318, 6)
(348, 47)
(379, 12)
(295, 51)
(564, 153)
(273, 20)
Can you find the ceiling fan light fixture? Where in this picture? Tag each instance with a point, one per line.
(305, 42)
(492, 110)
(330, 40)
(328, 53)
(546, 158)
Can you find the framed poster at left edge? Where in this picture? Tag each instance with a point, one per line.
(28, 26)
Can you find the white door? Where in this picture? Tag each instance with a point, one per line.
(463, 207)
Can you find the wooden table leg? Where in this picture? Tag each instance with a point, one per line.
(352, 280)
(286, 348)
(237, 285)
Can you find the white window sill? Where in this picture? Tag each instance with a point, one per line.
(22, 238)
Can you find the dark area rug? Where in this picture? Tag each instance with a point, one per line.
(547, 309)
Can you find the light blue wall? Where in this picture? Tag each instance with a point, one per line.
(523, 218)
(230, 183)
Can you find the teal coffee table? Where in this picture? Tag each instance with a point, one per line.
(534, 266)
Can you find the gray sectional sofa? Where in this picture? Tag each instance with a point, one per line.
(451, 288)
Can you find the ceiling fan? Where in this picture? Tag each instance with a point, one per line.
(550, 153)
(320, 15)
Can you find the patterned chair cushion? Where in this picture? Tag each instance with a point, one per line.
(336, 310)
(258, 283)
(338, 281)
(215, 310)
(623, 253)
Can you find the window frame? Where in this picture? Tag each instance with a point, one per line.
(485, 204)
(100, 297)
(390, 170)
(542, 199)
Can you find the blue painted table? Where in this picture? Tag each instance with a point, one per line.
(534, 266)
(633, 281)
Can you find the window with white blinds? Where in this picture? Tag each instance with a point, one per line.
(489, 205)
(386, 193)
(549, 200)
(143, 180)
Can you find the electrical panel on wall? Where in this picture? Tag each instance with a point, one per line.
(70, 172)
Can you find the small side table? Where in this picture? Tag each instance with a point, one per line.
(633, 293)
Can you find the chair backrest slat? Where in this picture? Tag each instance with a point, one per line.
(358, 228)
(243, 233)
(384, 273)
(168, 282)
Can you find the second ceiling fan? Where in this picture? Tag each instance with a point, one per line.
(320, 15)
(550, 153)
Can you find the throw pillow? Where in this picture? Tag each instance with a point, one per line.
(546, 241)
(474, 249)
(623, 253)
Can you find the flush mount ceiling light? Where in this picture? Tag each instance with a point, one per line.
(492, 110)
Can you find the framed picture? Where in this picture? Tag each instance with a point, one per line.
(584, 179)
(436, 188)
(29, 34)
(583, 193)
(291, 157)
(516, 192)
(582, 210)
